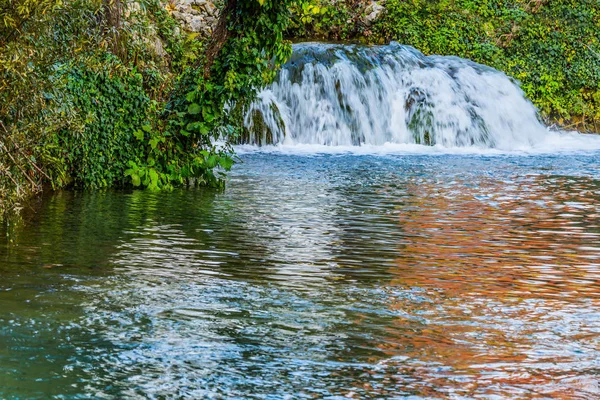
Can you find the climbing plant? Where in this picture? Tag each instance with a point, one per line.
(104, 93)
(245, 51)
(551, 47)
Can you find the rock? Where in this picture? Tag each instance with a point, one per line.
(372, 12)
(159, 48)
(196, 24)
(195, 16)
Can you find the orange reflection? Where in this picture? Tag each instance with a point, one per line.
(505, 273)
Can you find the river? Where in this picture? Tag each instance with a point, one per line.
(429, 275)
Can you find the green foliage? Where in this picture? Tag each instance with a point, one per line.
(551, 47)
(180, 147)
(100, 93)
(35, 35)
(327, 19)
(113, 103)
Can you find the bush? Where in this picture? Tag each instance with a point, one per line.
(104, 93)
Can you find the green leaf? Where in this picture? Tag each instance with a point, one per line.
(226, 163)
(135, 179)
(207, 114)
(204, 130)
(153, 176)
(194, 109)
(139, 135)
(154, 142)
(211, 161)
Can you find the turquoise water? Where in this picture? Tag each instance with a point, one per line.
(321, 276)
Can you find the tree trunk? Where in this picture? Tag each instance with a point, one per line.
(112, 13)
(112, 22)
(219, 36)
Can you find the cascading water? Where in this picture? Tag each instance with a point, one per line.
(341, 95)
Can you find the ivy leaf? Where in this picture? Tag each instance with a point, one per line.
(226, 163)
(153, 176)
(154, 142)
(135, 179)
(207, 114)
(194, 109)
(139, 134)
(204, 130)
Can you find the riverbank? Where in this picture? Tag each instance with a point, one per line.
(109, 93)
(121, 99)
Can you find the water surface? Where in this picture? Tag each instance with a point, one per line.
(431, 276)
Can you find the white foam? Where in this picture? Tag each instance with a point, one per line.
(553, 143)
(389, 99)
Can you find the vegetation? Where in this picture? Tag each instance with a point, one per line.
(551, 47)
(327, 20)
(103, 93)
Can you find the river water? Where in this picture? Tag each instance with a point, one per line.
(314, 276)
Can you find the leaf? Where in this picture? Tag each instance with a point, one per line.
(211, 161)
(153, 176)
(139, 134)
(154, 142)
(135, 179)
(226, 163)
(207, 114)
(204, 130)
(194, 109)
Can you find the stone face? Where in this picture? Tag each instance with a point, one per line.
(373, 11)
(195, 16)
(201, 16)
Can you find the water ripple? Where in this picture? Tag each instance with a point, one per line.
(330, 276)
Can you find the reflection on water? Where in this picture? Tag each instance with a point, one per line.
(356, 276)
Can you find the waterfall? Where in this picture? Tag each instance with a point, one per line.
(350, 95)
